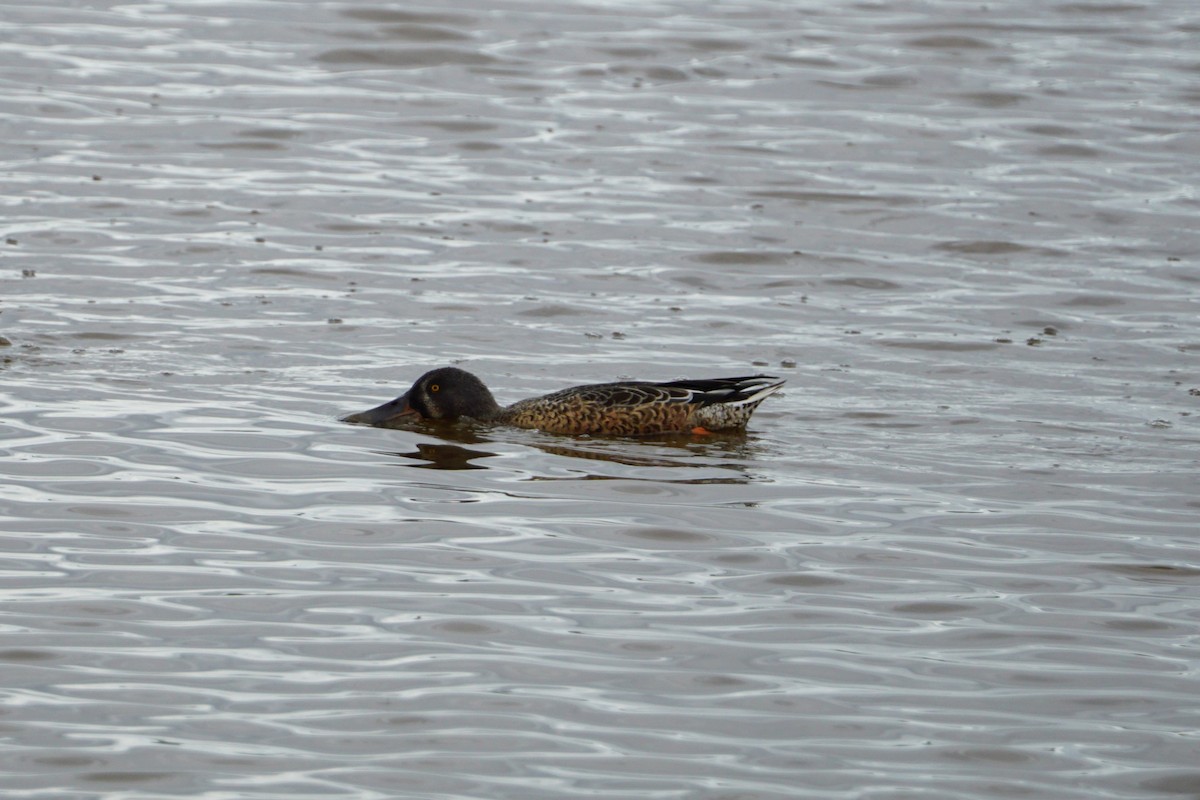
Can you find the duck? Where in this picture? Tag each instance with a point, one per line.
(623, 408)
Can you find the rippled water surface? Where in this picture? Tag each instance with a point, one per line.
(957, 558)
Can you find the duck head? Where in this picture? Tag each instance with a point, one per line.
(447, 394)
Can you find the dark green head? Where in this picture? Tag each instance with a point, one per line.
(447, 393)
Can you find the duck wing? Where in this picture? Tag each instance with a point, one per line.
(750, 389)
(735, 391)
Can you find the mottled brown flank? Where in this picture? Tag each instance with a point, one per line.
(627, 410)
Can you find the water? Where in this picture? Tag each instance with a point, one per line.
(957, 557)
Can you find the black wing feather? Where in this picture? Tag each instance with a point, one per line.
(723, 390)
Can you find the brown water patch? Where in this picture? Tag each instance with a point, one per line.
(872, 415)
(509, 227)
(802, 581)
(945, 346)
(407, 58)
(878, 284)
(1136, 625)
(247, 146)
(710, 44)
(292, 272)
(665, 74)
(1060, 131)
(733, 257)
(995, 755)
(104, 336)
(460, 125)
(549, 311)
(68, 761)
(888, 80)
(631, 52)
(950, 42)
(1157, 573)
(993, 99)
(466, 627)
(720, 681)
(825, 62)
(422, 33)
(1181, 783)
(126, 777)
(935, 609)
(348, 227)
(1069, 151)
(477, 146)
(1093, 301)
(673, 535)
(406, 720)
(271, 133)
(398, 16)
(26, 655)
(984, 247)
(1099, 8)
(800, 196)
(114, 511)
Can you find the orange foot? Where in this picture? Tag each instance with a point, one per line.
(700, 430)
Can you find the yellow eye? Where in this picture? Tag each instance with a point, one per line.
(433, 387)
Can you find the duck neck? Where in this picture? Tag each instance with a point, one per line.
(483, 406)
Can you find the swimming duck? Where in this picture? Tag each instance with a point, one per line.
(626, 408)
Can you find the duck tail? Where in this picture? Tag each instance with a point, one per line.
(747, 391)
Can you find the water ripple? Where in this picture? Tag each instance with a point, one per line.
(956, 557)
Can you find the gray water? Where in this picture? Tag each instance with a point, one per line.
(956, 559)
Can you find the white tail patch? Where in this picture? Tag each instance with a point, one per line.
(762, 388)
(729, 407)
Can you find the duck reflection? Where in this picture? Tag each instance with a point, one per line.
(445, 456)
(460, 450)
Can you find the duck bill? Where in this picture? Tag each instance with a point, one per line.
(382, 415)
